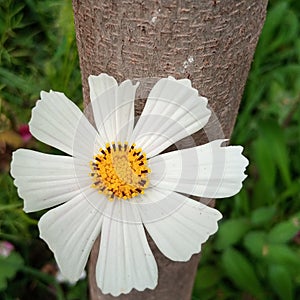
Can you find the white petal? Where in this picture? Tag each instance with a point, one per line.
(113, 107)
(173, 111)
(180, 234)
(100, 84)
(183, 81)
(208, 171)
(58, 122)
(156, 204)
(45, 180)
(125, 260)
(71, 229)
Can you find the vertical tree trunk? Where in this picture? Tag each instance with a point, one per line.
(210, 42)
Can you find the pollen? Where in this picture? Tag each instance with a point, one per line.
(120, 171)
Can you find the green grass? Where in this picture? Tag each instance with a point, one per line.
(255, 254)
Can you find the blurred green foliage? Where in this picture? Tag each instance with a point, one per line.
(256, 253)
(9, 267)
(37, 52)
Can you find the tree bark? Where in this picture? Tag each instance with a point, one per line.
(211, 42)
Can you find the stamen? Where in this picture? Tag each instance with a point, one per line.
(120, 171)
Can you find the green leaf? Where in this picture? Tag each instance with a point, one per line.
(230, 232)
(9, 266)
(282, 254)
(275, 145)
(292, 191)
(263, 215)
(12, 79)
(255, 242)
(278, 15)
(263, 194)
(264, 162)
(241, 272)
(281, 282)
(207, 276)
(241, 203)
(284, 231)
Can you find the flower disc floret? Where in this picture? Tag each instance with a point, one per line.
(120, 171)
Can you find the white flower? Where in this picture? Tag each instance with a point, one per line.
(127, 186)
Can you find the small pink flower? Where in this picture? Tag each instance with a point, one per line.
(6, 248)
(24, 132)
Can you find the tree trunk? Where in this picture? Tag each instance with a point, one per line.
(211, 42)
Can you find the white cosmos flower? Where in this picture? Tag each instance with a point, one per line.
(88, 185)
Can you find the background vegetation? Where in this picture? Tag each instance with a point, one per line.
(256, 253)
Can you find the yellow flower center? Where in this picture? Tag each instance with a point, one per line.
(120, 171)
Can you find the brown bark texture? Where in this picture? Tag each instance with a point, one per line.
(211, 42)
